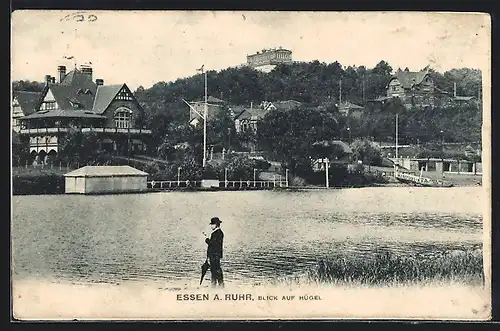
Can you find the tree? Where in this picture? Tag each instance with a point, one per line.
(365, 151)
(220, 128)
(78, 147)
(290, 135)
(26, 85)
(382, 68)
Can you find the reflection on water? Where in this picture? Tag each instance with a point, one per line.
(157, 237)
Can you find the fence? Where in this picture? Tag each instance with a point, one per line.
(230, 184)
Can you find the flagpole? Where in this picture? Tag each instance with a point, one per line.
(205, 124)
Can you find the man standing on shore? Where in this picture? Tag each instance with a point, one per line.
(214, 251)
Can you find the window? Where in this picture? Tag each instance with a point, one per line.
(123, 117)
(48, 105)
(394, 88)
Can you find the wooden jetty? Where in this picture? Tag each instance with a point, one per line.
(420, 180)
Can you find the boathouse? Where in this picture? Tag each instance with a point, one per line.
(105, 179)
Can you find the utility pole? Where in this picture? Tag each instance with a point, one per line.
(396, 137)
(340, 92)
(363, 89)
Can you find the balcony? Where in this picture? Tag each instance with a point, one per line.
(43, 130)
(97, 130)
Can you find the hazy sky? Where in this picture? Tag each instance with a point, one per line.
(142, 48)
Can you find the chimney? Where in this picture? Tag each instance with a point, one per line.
(53, 80)
(62, 72)
(454, 90)
(99, 81)
(48, 80)
(87, 71)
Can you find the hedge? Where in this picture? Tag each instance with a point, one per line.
(37, 184)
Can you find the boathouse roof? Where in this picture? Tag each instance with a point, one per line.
(106, 171)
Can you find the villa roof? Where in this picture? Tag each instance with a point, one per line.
(77, 78)
(252, 114)
(76, 96)
(410, 78)
(104, 95)
(27, 100)
(64, 114)
(66, 96)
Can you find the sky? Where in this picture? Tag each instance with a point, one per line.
(146, 47)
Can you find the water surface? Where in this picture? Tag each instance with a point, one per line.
(158, 237)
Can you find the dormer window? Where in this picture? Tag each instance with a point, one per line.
(87, 91)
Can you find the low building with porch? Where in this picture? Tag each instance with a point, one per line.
(440, 165)
(75, 103)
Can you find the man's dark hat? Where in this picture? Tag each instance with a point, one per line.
(215, 220)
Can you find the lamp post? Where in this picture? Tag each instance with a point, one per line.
(326, 173)
(254, 175)
(349, 131)
(179, 176)
(286, 177)
(442, 152)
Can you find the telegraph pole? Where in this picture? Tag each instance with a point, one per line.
(340, 92)
(396, 137)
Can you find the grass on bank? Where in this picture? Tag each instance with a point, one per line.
(389, 269)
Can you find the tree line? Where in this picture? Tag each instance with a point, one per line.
(289, 135)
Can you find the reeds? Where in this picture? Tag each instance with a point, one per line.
(385, 268)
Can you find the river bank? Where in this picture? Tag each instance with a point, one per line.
(29, 181)
(33, 299)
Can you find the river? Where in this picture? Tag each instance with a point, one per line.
(157, 237)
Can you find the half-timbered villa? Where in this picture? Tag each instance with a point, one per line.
(76, 102)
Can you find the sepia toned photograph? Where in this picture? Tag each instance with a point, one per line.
(250, 165)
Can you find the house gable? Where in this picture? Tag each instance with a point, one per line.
(16, 108)
(125, 94)
(113, 99)
(48, 102)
